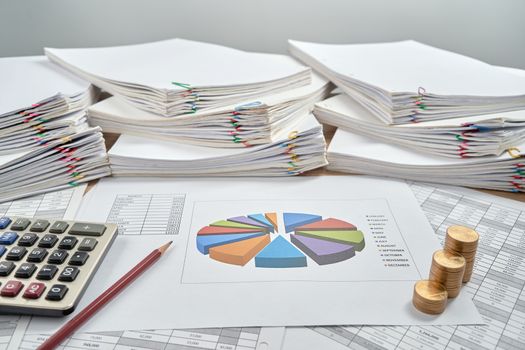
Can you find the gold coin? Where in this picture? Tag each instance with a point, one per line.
(429, 297)
(430, 290)
(448, 260)
(462, 234)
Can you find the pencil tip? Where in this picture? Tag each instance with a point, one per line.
(165, 247)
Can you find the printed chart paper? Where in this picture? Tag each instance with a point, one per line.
(496, 286)
(273, 239)
(171, 339)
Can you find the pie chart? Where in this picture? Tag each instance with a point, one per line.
(240, 239)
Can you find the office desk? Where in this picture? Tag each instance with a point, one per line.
(328, 133)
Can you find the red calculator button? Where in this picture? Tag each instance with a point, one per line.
(11, 289)
(34, 290)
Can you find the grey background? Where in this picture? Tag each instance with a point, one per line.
(493, 31)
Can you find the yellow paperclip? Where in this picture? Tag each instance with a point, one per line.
(294, 158)
(292, 135)
(514, 155)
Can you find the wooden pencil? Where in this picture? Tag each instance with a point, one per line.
(104, 298)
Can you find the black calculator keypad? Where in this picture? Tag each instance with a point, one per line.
(57, 257)
(47, 272)
(57, 292)
(6, 267)
(79, 258)
(16, 253)
(20, 224)
(46, 265)
(27, 239)
(68, 243)
(37, 255)
(69, 274)
(59, 227)
(25, 270)
(87, 244)
(39, 226)
(48, 241)
(86, 229)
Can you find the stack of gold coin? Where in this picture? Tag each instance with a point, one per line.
(430, 297)
(463, 240)
(448, 269)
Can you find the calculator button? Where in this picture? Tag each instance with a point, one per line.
(58, 227)
(37, 255)
(68, 274)
(68, 242)
(6, 267)
(87, 244)
(87, 229)
(4, 222)
(34, 290)
(57, 257)
(2, 250)
(20, 224)
(8, 237)
(47, 272)
(48, 241)
(39, 226)
(16, 253)
(11, 289)
(28, 239)
(57, 292)
(79, 258)
(25, 270)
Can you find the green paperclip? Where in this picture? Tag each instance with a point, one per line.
(182, 85)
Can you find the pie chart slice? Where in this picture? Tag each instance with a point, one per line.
(205, 242)
(247, 221)
(272, 217)
(231, 224)
(354, 237)
(216, 230)
(239, 253)
(329, 224)
(241, 239)
(279, 254)
(263, 220)
(293, 220)
(321, 251)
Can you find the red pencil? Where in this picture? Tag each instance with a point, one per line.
(104, 298)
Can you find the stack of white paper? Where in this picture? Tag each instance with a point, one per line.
(54, 165)
(299, 148)
(404, 82)
(251, 122)
(349, 152)
(39, 103)
(489, 135)
(175, 77)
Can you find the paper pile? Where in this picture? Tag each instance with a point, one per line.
(56, 164)
(39, 101)
(252, 122)
(489, 135)
(349, 152)
(176, 77)
(299, 148)
(405, 82)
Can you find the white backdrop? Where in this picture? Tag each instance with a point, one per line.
(491, 30)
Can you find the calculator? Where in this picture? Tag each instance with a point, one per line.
(46, 265)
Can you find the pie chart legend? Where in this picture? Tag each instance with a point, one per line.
(240, 239)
